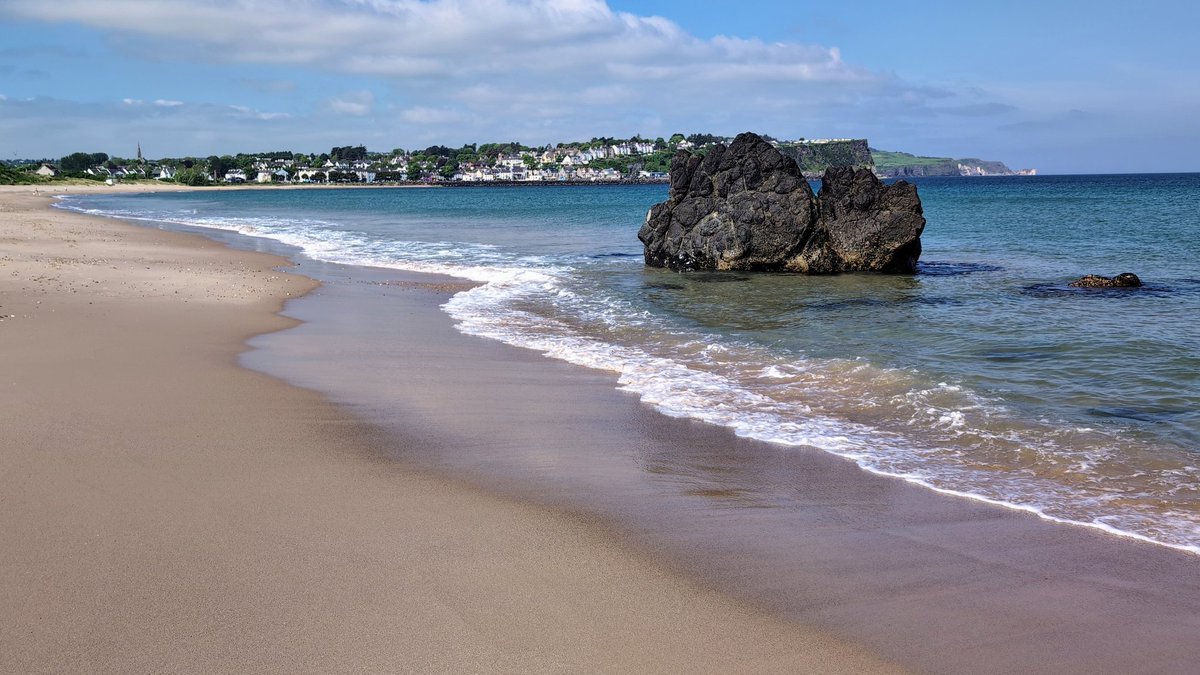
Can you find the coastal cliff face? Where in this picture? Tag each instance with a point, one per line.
(749, 207)
(902, 164)
(814, 157)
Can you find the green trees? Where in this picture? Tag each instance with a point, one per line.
(219, 166)
(703, 139)
(439, 151)
(493, 150)
(348, 153)
(658, 161)
(191, 176)
(78, 162)
(466, 154)
(275, 154)
(11, 176)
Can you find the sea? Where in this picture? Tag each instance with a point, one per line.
(983, 375)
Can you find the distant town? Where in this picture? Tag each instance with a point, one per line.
(600, 160)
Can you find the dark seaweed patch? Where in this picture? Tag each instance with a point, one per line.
(1049, 290)
(715, 277)
(1066, 291)
(617, 255)
(835, 305)
(1007, 356)
(940, 268)
(1138, 414)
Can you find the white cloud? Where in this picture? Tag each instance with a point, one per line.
(356, 103)
(166, 103)
(246, 111)
(533, 70)
(423, 116)
(132, 101)
(195, 129)
(437, 47)
(480, 70)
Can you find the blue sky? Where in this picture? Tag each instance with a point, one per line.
(1067, 87)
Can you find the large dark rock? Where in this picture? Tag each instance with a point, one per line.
(748, 207)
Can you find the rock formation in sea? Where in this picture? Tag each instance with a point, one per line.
(1123, 280)
(748, 207)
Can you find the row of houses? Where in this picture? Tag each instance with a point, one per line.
(552, 164)
(528, 175)
(163, 172)
(500, 172)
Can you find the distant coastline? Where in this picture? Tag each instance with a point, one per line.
(599, 161)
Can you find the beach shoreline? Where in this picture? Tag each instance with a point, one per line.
(940, 583)
(167, 510)
(934, 582)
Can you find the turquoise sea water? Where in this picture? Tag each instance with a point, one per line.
(983, 375)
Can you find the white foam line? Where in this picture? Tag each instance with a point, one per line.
(629, 382)
(496, 277)
(1104, 527)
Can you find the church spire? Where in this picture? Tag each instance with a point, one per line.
(139, 152)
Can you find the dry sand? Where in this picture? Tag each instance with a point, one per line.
(163, 510)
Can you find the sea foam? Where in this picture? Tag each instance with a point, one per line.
(935, 434)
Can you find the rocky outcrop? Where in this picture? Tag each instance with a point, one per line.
(748, 207)
(863, 225)
(1124, 280)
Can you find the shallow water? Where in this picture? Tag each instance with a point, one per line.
(984, 374)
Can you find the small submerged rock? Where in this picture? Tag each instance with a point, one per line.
(1124, 280)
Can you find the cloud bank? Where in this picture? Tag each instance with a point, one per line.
(535, 70)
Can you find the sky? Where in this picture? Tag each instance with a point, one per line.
(1064, 87)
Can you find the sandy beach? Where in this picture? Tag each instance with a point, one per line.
(935, 582)
(167, 508)
(164, 510)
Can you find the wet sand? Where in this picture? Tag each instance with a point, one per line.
(779, 548)
(939, 583)
(164, 510)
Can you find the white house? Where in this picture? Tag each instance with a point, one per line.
(510, 161)
(47, 170)
(276, 176)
